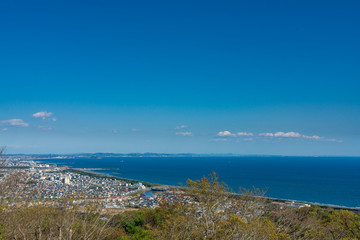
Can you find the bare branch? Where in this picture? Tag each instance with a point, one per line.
(2, 158)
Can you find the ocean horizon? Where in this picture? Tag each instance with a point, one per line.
(321, 180)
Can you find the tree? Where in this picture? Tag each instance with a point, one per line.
(213, 211)
(12, 183)
(2, 158)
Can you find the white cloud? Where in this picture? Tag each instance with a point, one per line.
(44, 115)
(288, 134)
(14, 123)
(181, 127)
(295, 135)
(4, 129)
(184, 133)
(244, 134)
(313, 137)
(134, 130)
(230, 134)
(115, 131)
(225, 134)
(266, 134)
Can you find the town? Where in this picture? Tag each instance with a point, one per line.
(45, 182)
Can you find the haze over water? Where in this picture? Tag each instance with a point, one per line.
(326, 180)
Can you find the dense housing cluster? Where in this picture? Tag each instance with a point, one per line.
(43, 181)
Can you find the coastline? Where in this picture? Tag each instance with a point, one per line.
(84, 171)
(92, 172)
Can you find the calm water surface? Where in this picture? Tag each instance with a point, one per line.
(328, 180)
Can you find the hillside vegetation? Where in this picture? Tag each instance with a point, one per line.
(203, 209)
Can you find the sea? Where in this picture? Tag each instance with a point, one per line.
(321, 180)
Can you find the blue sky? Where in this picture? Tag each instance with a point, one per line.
(245, 77)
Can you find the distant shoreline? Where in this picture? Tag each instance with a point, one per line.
(148, 184)
(126, 155)
(84, 171)
(92, 172)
